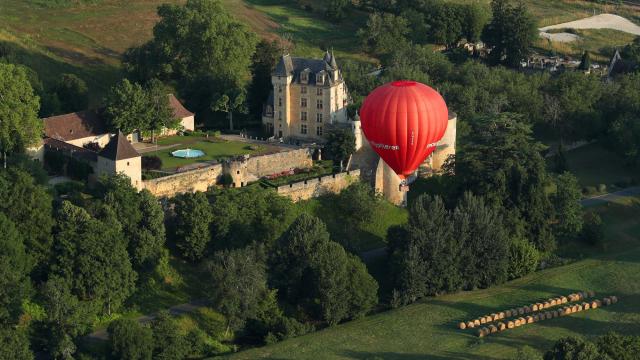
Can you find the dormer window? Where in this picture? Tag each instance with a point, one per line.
(320, 78)
(304, 76)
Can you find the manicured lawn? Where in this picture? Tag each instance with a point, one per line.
(213, 150)
(593, 165)
(427, 330)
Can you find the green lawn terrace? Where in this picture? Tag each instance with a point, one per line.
(215, 149)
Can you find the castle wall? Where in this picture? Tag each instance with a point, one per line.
(331, 184)
(264, 165)
(189, 181)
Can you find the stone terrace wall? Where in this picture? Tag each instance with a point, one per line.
(331, 184)
(264, 165)
(189, 181)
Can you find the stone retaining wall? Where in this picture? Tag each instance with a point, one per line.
(189, 181)
(330, 184)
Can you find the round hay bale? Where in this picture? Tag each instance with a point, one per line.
(568, 310)
(529, 319)
(606, 301)
(511, 325)
(561, 312)
(599, 302)
(527, 310)
(548, 315)
(564, 299)
(496, 317)
(517, 322)
(546, 304)
(501, 315)
(579, 307)
(481, 333)
(520, 311)
(594, 305)
(591, 293)
(493, 329)
(507, 313)
(552, 302)
(585, 295)
(556, 313)
(483, 320)
(586, 306)
(476, 322)
(502, 326)
(534, 307)
(462, 326)
(523, 321)
(614, 299)
(470, 325)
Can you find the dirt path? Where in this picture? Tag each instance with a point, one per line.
(602, 21)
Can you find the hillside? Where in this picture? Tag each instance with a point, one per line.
(428, 329)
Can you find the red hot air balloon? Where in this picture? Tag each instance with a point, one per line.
(403, 121)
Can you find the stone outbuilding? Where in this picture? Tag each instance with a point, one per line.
(119, 157)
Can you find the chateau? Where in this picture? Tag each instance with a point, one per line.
(308, 97)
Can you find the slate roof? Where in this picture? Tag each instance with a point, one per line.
(74, 126)
(118, 148)
(293, 66)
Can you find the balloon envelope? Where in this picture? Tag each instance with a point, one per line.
(403, 121)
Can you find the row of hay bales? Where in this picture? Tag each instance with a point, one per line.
(545, 315)
(540, 306)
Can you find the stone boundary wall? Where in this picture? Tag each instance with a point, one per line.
(330, 184)
(188, 181)
(264, 165)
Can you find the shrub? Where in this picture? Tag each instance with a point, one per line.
(523, 258)
(593, 230)
(602, 188)
(226, 180)
(151, 162)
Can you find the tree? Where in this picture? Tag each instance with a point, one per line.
(239, 280)
(619, 347)
(585, 62)
(168, 342)
(357, 204)
(160, 112)
(141, 217)
(502, 163)
(592, 229)
(336, 9)
(20, 126)
(567, 206)
(14, 344)
(29, 206)
(427, 255)
(72, 93)
(127, 107)
(201, 47)
(511, 32)
(240, 214)
(341, 144)
(129, 340)
(484, 242)
(14, 271)
(228, 105)
(621, 106)
(192, 219)
(384, 33)
(445, 23)
(571, 348)
(262, 65)
(91, 255)
(523, 258)
(317, 275)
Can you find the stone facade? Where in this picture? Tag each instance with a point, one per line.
(308, 96)
(190, 181)
(331, 184)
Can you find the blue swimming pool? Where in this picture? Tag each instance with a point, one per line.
(188, 153)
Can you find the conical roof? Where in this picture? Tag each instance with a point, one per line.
(118, 148)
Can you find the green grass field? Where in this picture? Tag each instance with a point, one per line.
(428, 329)
(593, 165)
(213, 150)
